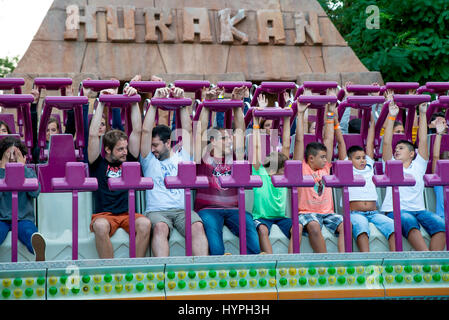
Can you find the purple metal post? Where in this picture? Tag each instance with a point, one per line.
(195, 86)
(98, 85)
(316, 102)
(75, 180)
(439, 178)
(62, 103)
(187, 180)
(293, 178)
(242, 179)
(344, 178)
(230, 85)
(219, 105)
(147, 86)
(401, 87)
(14, 182)
(21, 102)
(394, 177)
(131, 180)
(123, 102)
(12, 84)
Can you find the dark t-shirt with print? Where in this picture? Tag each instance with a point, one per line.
(105, 200)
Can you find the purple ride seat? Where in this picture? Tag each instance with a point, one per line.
(12, 84)
(444, 147)
(8, 118)
(61, 151)
(21, 102)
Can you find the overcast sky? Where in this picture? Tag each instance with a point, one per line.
(19, 22)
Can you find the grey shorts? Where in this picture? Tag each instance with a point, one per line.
(172, 218)
(330, 221)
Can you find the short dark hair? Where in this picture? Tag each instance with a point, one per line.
(410, 146)
(162, 131)
(313, 148)
(437, 114)
(111, 138)
(6, 125)
(8, 142)
(354, 125)
(275, 156)
(354, 149)
(53, 119)
(397, 123)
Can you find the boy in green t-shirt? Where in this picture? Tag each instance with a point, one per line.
(269, 201)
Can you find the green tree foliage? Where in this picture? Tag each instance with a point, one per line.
(410, 44)
(7, 65)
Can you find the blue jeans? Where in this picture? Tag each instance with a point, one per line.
(431, 222)
(26, 228)
(360, 223)
(215, 219)
(285, 224)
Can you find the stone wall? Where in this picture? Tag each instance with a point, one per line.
(256, 40)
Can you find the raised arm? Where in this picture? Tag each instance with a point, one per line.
(257, 143)
(370, 138)
(440, 125)
(93, 147)
(186, 123)
(341, 145)
(422, 132)
(328, 137)
(298, 153)
(148, 124)
(393, 110)
(136, 121)
(239, 123)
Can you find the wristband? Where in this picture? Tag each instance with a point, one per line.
(337, 126)
(329, 121)
(392, 118)
(256, 126)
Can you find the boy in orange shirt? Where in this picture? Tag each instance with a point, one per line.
(316, 207)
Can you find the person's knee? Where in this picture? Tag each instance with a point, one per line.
(101, 227)
(197, 229)
(143, 226)
(262, 230)
(161, 229)
(313, 228)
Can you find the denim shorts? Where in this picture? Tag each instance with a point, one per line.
(331, 221)
(285, 224)
(430, 221)
(360, 223)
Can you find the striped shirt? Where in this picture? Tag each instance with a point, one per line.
(215, 196)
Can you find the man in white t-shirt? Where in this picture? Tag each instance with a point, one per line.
(363, 200)
(413, 210)
(165, 207)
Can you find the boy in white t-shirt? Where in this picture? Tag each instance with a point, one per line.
(413, 210)
(363, 200)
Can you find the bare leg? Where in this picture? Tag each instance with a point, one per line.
(159, 244)
(438, 241)
(417, 241)
(200, 246)
(391, 242)
(363, 242)
(103, 243)
(143, 230)
(290, 244)
(316, 237)
(341, 238)
(264, 241)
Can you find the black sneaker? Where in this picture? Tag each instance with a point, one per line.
(38, 243)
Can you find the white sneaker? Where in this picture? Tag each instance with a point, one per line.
(38, 243)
